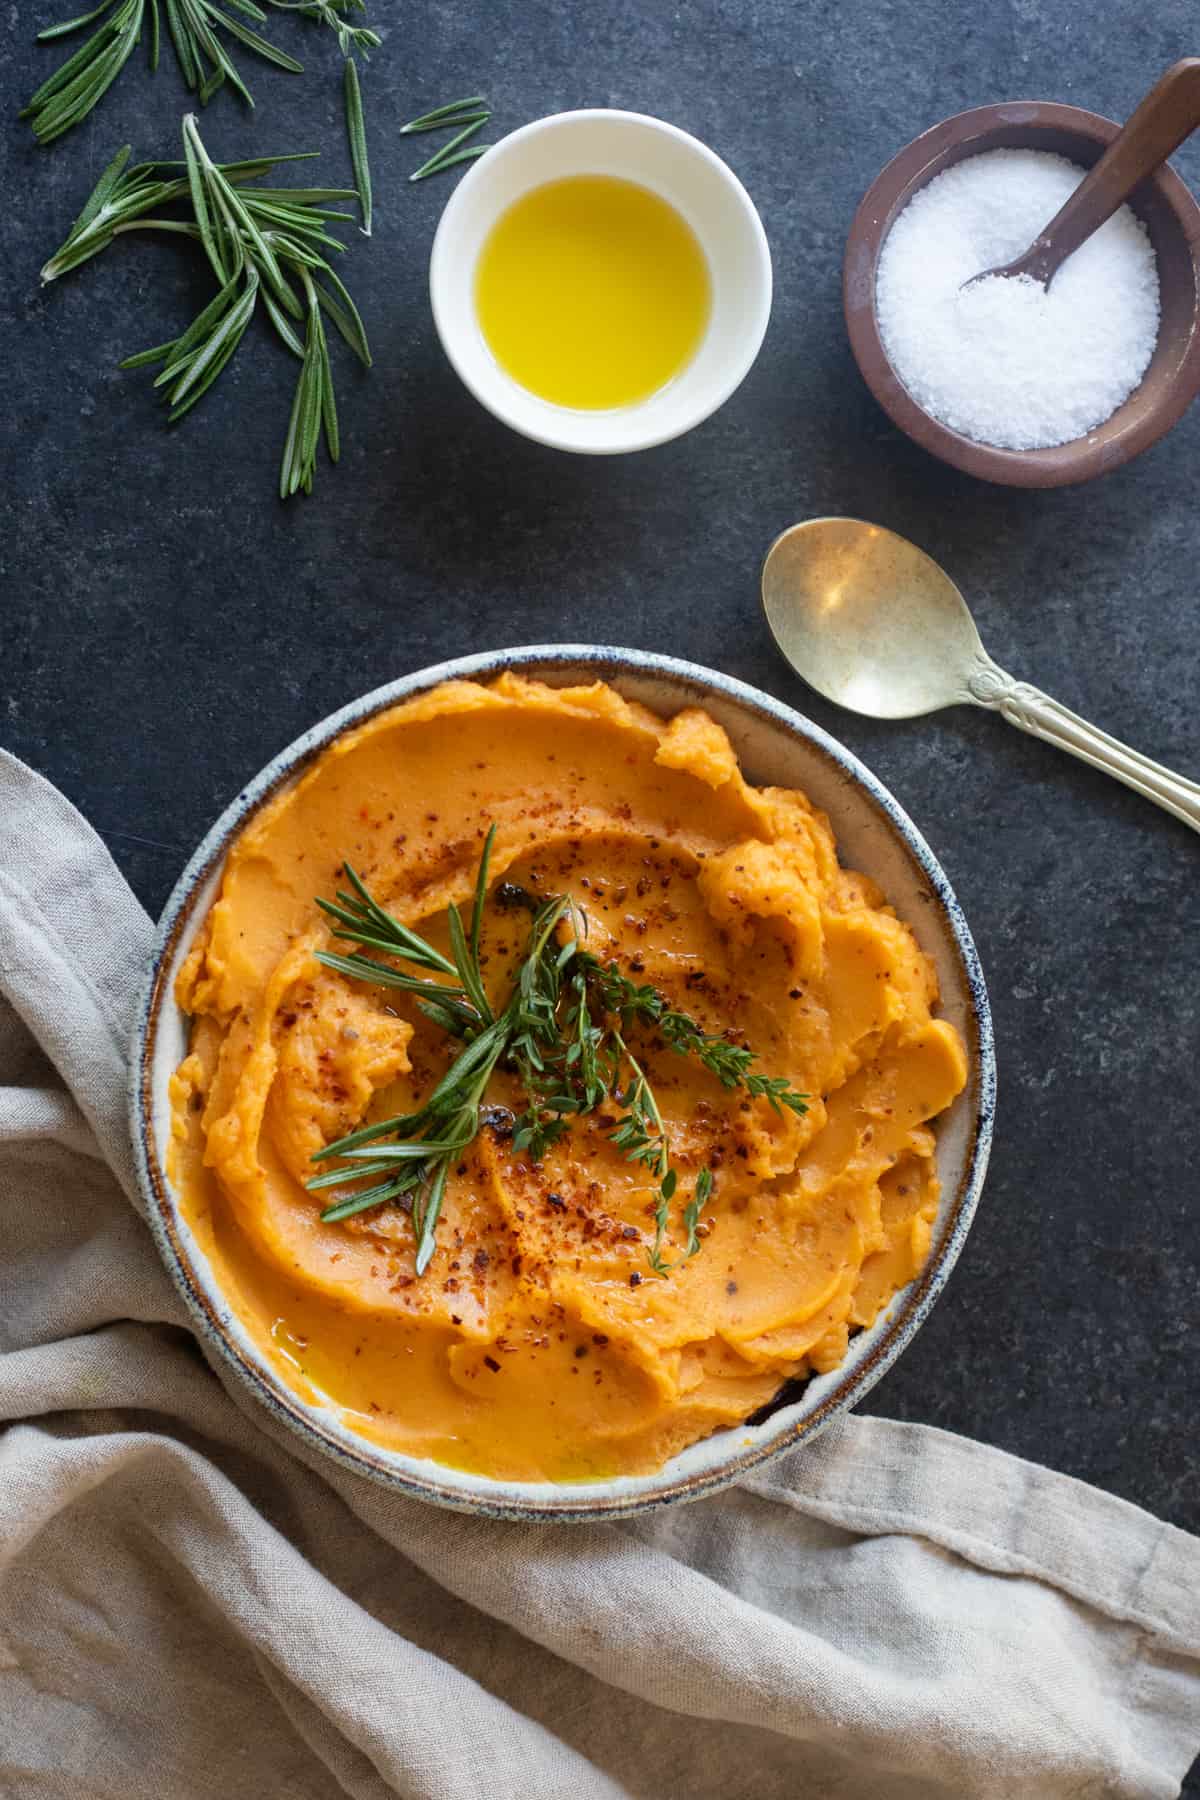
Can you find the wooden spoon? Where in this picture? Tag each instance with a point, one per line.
(1169, 113)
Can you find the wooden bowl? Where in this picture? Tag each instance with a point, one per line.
(1170, 215)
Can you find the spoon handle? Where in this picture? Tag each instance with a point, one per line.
(1031, 710)
(1168, 114)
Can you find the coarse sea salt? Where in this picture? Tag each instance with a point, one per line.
(1006, 361)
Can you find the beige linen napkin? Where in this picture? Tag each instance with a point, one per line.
(190, 1605)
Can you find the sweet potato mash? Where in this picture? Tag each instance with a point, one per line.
(539, 1344)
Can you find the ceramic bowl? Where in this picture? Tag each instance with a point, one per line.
(696, 183)
(775, 746)
(1165, 207)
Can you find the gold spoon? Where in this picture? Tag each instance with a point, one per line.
(874, 625)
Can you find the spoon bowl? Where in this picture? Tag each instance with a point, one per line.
(868, 619)
(876, 626)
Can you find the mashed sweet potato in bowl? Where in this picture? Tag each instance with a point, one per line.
(565, 1078)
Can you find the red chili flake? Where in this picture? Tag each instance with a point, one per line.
(731, 1287)
(489, 1362)
(482, 1259)
(581, 1349)
(454, 1319)
(598, 1337)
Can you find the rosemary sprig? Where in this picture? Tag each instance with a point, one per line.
(260, 242)
(196, 29)
(459, 1006)
(562, 1030)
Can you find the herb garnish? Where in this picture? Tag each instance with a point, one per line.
(471, 114)
(562, 1031)
(260, 242)
(194, 26)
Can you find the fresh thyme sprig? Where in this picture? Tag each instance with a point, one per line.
(562, 1030)
(729, 1062)
(260, 242)
(195, 28)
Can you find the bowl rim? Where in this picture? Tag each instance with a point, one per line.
(1059, 465)
(506, 1499)
(739, 366)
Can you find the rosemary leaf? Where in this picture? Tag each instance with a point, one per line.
(345, 1209)
(344, 314)
(205, 364)
(443, 158)
(357, 133)
(183, 346)
(69, 25)
(282, 324)
(146, 358)
(103, 188)
(437, 119)
(431, 1212)
(184, 51)
(449, 162)
(252, 40)
(213, 248)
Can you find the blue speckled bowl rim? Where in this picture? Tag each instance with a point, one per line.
(495, 1499)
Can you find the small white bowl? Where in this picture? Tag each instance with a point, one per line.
(683, 172)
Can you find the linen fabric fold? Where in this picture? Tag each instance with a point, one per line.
(192, 1603)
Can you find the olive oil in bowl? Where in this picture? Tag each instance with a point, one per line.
(592, 292)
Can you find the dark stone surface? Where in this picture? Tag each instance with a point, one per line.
(168, 624)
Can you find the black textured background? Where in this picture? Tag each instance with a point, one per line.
(168, 625)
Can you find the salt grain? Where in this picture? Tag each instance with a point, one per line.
(1006, 361)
